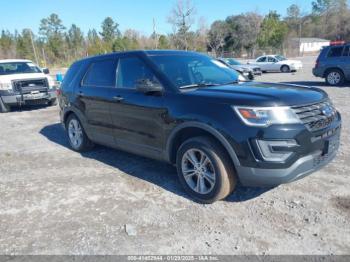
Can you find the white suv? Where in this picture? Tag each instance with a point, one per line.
(22, 82)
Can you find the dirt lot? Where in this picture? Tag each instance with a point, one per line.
(56, 201)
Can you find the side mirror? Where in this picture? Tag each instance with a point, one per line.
(148, 86)
(46, 71)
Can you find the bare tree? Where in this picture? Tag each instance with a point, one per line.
(216, 37)
(182, 18)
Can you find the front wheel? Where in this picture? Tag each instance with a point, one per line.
(335, 77)
(205, 170)
(77, 137)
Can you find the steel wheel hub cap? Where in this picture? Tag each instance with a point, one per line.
(334, 78)
(198, 171)
(75, 133)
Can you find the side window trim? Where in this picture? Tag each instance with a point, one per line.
(116, 64)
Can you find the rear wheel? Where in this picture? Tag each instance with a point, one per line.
(77, 137)
(3, 107)
(335, 77)
(285, 69)
(204, 169)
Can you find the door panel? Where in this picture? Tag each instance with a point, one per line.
(96, 102)
(137, 117)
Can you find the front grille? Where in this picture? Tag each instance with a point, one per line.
(316, 116)
(29, 85)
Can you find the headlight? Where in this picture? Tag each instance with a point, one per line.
(5, 86)
(266, 116)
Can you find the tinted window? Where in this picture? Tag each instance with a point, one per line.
(101, 73)
(271, 59)
(346, 51)
(187, 70)
(262, 59)
(133, 71)
(69, 76)
(335, 52)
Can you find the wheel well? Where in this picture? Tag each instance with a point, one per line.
(284, 65)
(68, 114)
(186, 133)
(332, 68)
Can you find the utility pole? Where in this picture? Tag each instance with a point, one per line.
(155, 33)
(33, 45)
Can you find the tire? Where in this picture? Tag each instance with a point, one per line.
(52, 102)
(78, 140)
(335, 77)
(3, 107)
(217, 175)
(285, 69)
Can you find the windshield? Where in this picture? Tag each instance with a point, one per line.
(18, 68)
(194, 70)
(232, 61)
(280, 58)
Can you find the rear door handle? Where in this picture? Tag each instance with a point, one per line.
(118, 98)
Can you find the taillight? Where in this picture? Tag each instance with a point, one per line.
(58, 92)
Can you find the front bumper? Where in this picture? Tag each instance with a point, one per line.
(296, 67)
(322, 151)
(15, 99)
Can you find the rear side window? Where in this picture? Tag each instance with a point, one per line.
(101, 74)
(70, 75)
(262, 59)
(335, 52)
(346, 51)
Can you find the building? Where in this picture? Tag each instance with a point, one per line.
(310, 45)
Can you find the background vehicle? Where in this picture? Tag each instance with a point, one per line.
(22, 83)
(333, 64)
(189, 110)
(277, 63)
(249, 71)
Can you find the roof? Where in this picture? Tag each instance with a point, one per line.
(14, 60)
(310, 40)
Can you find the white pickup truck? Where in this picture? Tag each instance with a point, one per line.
(24, 83)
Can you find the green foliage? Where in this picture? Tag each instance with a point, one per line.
(273, 31)
(110, 30)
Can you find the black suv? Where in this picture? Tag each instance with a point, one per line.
(190, 110)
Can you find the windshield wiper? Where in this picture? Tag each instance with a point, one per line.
(198, 85)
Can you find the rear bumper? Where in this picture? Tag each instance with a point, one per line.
(18, 99)
(317, 72)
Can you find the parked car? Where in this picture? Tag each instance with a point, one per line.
(24, 83)
(191, 111)
(277, 63)
(250, 71)
(333, 64)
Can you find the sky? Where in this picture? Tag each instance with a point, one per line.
(135, 14)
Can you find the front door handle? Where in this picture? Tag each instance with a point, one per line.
(118, 98)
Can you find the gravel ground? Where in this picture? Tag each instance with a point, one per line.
(56, 201)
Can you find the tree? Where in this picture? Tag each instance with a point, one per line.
(75, 40)
(24, 45)
(182, 18)
(52, 31)
(95, 44)
(110, 30)
(273, 31)
(216, 37)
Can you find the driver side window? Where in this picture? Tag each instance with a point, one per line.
(271, 59)
(132, 71)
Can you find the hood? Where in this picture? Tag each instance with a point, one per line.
(9, 78)
(263, 94)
